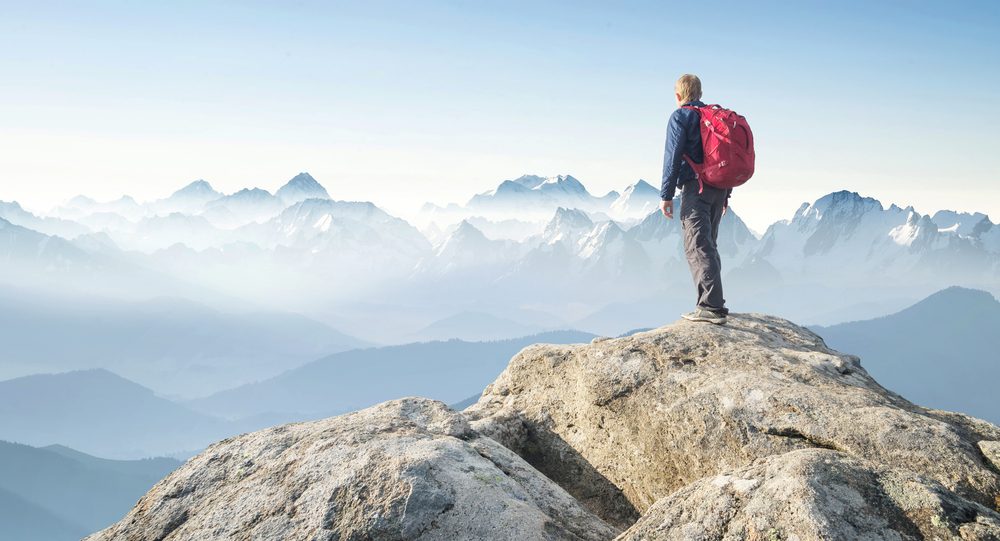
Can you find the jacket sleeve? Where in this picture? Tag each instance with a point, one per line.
(672, 156)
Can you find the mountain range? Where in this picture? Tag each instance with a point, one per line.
(532, 243)
(534, 193)
(541, 244)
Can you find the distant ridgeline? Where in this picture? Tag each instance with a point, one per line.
(99, 412)
(522, 252)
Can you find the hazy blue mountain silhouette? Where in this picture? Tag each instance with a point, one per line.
(465, 402)
(176, 346)
(22, 520)
(448, 371)
(58, 493)
(153, 468)
(943, 352)
(100, 413)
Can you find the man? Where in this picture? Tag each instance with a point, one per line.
(700, 213)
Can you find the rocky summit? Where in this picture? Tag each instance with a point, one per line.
(404, 469)
(754, 430)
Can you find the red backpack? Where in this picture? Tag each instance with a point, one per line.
(728, 145)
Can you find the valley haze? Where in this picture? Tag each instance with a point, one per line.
(396, 270)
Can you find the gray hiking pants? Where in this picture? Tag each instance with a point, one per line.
(700, 217)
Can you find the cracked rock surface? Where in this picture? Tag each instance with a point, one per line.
(627, 423)
(404, 469)
(814, 494)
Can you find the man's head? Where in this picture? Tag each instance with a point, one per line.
(688, 88)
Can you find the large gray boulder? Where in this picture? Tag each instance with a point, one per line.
(625, 423)
(813, 494)
(401, 470)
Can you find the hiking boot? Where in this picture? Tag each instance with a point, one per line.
(700, 314)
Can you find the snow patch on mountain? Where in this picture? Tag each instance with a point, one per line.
(962, 223)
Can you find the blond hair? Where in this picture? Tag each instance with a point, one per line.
(689, 87)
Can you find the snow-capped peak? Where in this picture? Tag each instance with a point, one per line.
(508, 187)
(301, 187)
(641, 187)
(465, 239)
(529, 181)
(563, 183)
(638, 200)
(535, 195)
(838, 205)
(249, 194)
(199, 189)
(466, 230)
(81, 201)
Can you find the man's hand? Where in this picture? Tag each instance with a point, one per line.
(667, 208)
(725, 207)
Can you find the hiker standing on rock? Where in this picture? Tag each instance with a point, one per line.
(709, 151)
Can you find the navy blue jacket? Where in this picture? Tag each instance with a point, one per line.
(683, 137)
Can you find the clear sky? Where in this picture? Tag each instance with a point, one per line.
(401, 102)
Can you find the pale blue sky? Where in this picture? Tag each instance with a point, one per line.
(402, 102)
